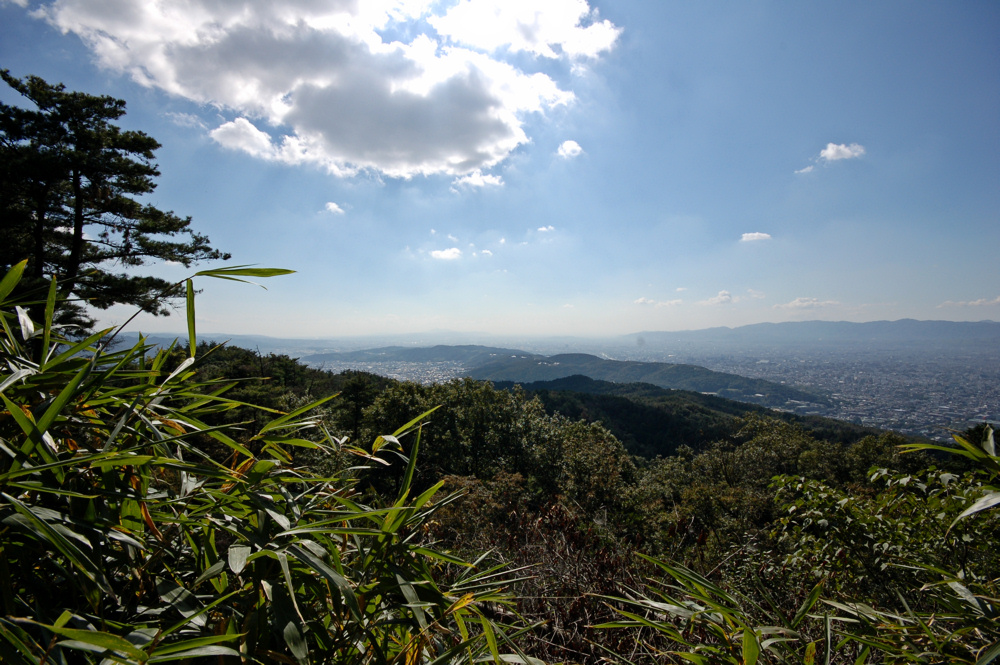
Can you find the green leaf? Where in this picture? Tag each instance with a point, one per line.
(807, 605)
(62, 399)
(331, 575)
(234, 273)
(277, 422)
(94, 638)
(751, 649)
(11, 279)
(192, 339)
(989, 655)
(238, 555)
(15, 377)
(245, 270)
(185, 647)
(990, 500)
(50, 307)
(200, 651)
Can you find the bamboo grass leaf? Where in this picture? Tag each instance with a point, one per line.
(751, 648)
(50, 307)
(984, 503)
(15, 377)
(192, 339)
(11, 279)
(27, 325)
(93, 640)
(238, 555)
(188, 654)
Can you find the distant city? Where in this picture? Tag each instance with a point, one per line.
(925, 378)
(928, 393)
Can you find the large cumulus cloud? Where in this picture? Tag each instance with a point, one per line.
(393, 86)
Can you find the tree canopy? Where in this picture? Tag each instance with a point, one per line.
(70, 184)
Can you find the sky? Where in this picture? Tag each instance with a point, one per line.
(557, 168)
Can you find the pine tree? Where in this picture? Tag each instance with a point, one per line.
(70, 184)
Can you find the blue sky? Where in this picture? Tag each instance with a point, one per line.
(560, 167)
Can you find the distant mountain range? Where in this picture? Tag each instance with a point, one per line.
(498, 364)
(905, 332)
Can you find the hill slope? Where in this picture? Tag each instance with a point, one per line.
(664, 375)
(652, 421)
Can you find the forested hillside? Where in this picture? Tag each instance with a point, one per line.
(653, 421)
(733, 492)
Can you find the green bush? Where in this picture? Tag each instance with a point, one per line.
(123, 541)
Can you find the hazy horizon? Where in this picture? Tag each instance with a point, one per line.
(570, 168)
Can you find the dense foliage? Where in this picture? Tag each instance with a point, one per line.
(123, 540)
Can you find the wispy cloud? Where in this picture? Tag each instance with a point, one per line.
(476, 180)
(807, 303)
(569, 150)
(724, 298)
(982, 302)
(184, 119)
(546, 229)
(320, 83)
(657, 303)
(835, 152)
(537, 28)
(755, 236)
(333, 208)
(449, 254)
(756, 295)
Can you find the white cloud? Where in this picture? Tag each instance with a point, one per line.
(751, 237)
(478, 180)
(836, 151)
(657, 303)
(447, 254)
(487, 252)
(332, 90)
(333, 208)
(982, 302)
(240, 134)
(755, 294)
(186, 120)
(807, 303)
(724, 298)
(569, 149)
(546, 229)
(546, 29)
(452, 238)
(679, 289)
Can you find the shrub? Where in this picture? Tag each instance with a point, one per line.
(124, 542)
